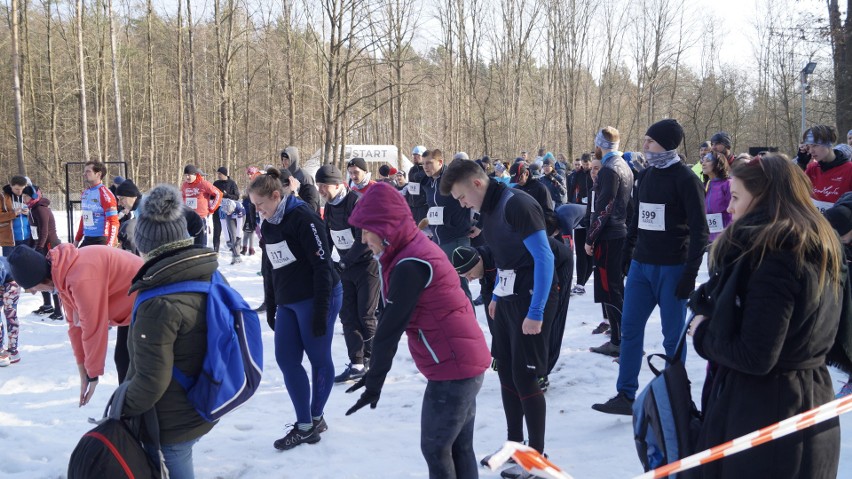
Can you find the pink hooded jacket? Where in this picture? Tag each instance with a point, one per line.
(93, 283)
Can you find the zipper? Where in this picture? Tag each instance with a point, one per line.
(429, 348)
(381, 283)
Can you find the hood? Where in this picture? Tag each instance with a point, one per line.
(383, 211)
(191, 263)
(293, 153)
(5, 271)
(39, 202)
(61, 258)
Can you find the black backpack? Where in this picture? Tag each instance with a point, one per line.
(666, 422)
(113, 449)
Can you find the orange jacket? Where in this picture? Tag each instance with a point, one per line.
(201, 196)
(93, 283)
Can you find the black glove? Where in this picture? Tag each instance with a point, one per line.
(270, 316)
(319, 326)
(367, 397)
(686, 285)
(339, 266)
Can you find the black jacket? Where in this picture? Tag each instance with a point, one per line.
(337, 220)
(579, 187)
(769, 329)
(228, 188)
(311, 275)
(555, 184)
(169, 331)
(457, 220)
(611, 199)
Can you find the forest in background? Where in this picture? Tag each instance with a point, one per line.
(231, 82)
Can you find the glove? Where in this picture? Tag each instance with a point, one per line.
(367, 397)
(340, 266)
(686, 285)
(319, 326)
(626, 259)
(270, 316)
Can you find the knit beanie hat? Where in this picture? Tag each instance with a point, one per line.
(28, 266)
(328, 175)
(128, 188)
(118, 180)
(668, 133)
(722, 137)
(464, 258)
(160, 219)
(222, 170)
(387, 170)
(359, 162)
(190, 170)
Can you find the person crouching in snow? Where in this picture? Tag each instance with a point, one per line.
(92, 283)
(423, 299)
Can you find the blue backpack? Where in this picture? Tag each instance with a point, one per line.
(666, 422)
(233, 364)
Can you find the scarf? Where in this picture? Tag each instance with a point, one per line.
(279, 211)
(662, 160)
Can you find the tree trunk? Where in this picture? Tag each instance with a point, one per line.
(193, 124)
(16, 86)
(149, 91)
(81, 71)
(119, 135)
(841, 42)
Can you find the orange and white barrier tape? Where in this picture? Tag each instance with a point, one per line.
(528, 458)
(769, 433)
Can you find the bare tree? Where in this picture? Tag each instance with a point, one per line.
(841, 44)
(81, 81)
(16, 87)
(119, 135)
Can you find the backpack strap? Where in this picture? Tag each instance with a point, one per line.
(180, 287)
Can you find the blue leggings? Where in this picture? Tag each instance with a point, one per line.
(293, 338)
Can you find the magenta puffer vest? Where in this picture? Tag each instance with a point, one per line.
(444, 337)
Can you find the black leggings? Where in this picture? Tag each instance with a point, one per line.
(522, 400)
(609, 284)
(122, 355)
(584, 261)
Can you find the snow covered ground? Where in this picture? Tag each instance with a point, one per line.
(40, 422)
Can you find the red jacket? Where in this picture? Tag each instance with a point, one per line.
(93, 283)
(830, 184)
(201, 196)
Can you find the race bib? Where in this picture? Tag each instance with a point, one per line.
(192, 203)
(436, 215)
(652, 217)
(413, 188)
(714, 223)
(505, 282)
(34, 232)
(279, 254)
(343, 239)
(88, 218)
(822, 206)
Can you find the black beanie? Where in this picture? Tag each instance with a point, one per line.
(328, 175)
(190, 170)
(222, 170)
(160, 219)
(722, 137)
(464, 259)
(668, 133)
(840, 218)
(359, 162)
(28, 266)
(128, 188)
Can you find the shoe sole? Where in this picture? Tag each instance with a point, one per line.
(610, 354)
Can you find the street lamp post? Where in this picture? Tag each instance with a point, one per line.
(803, 77)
